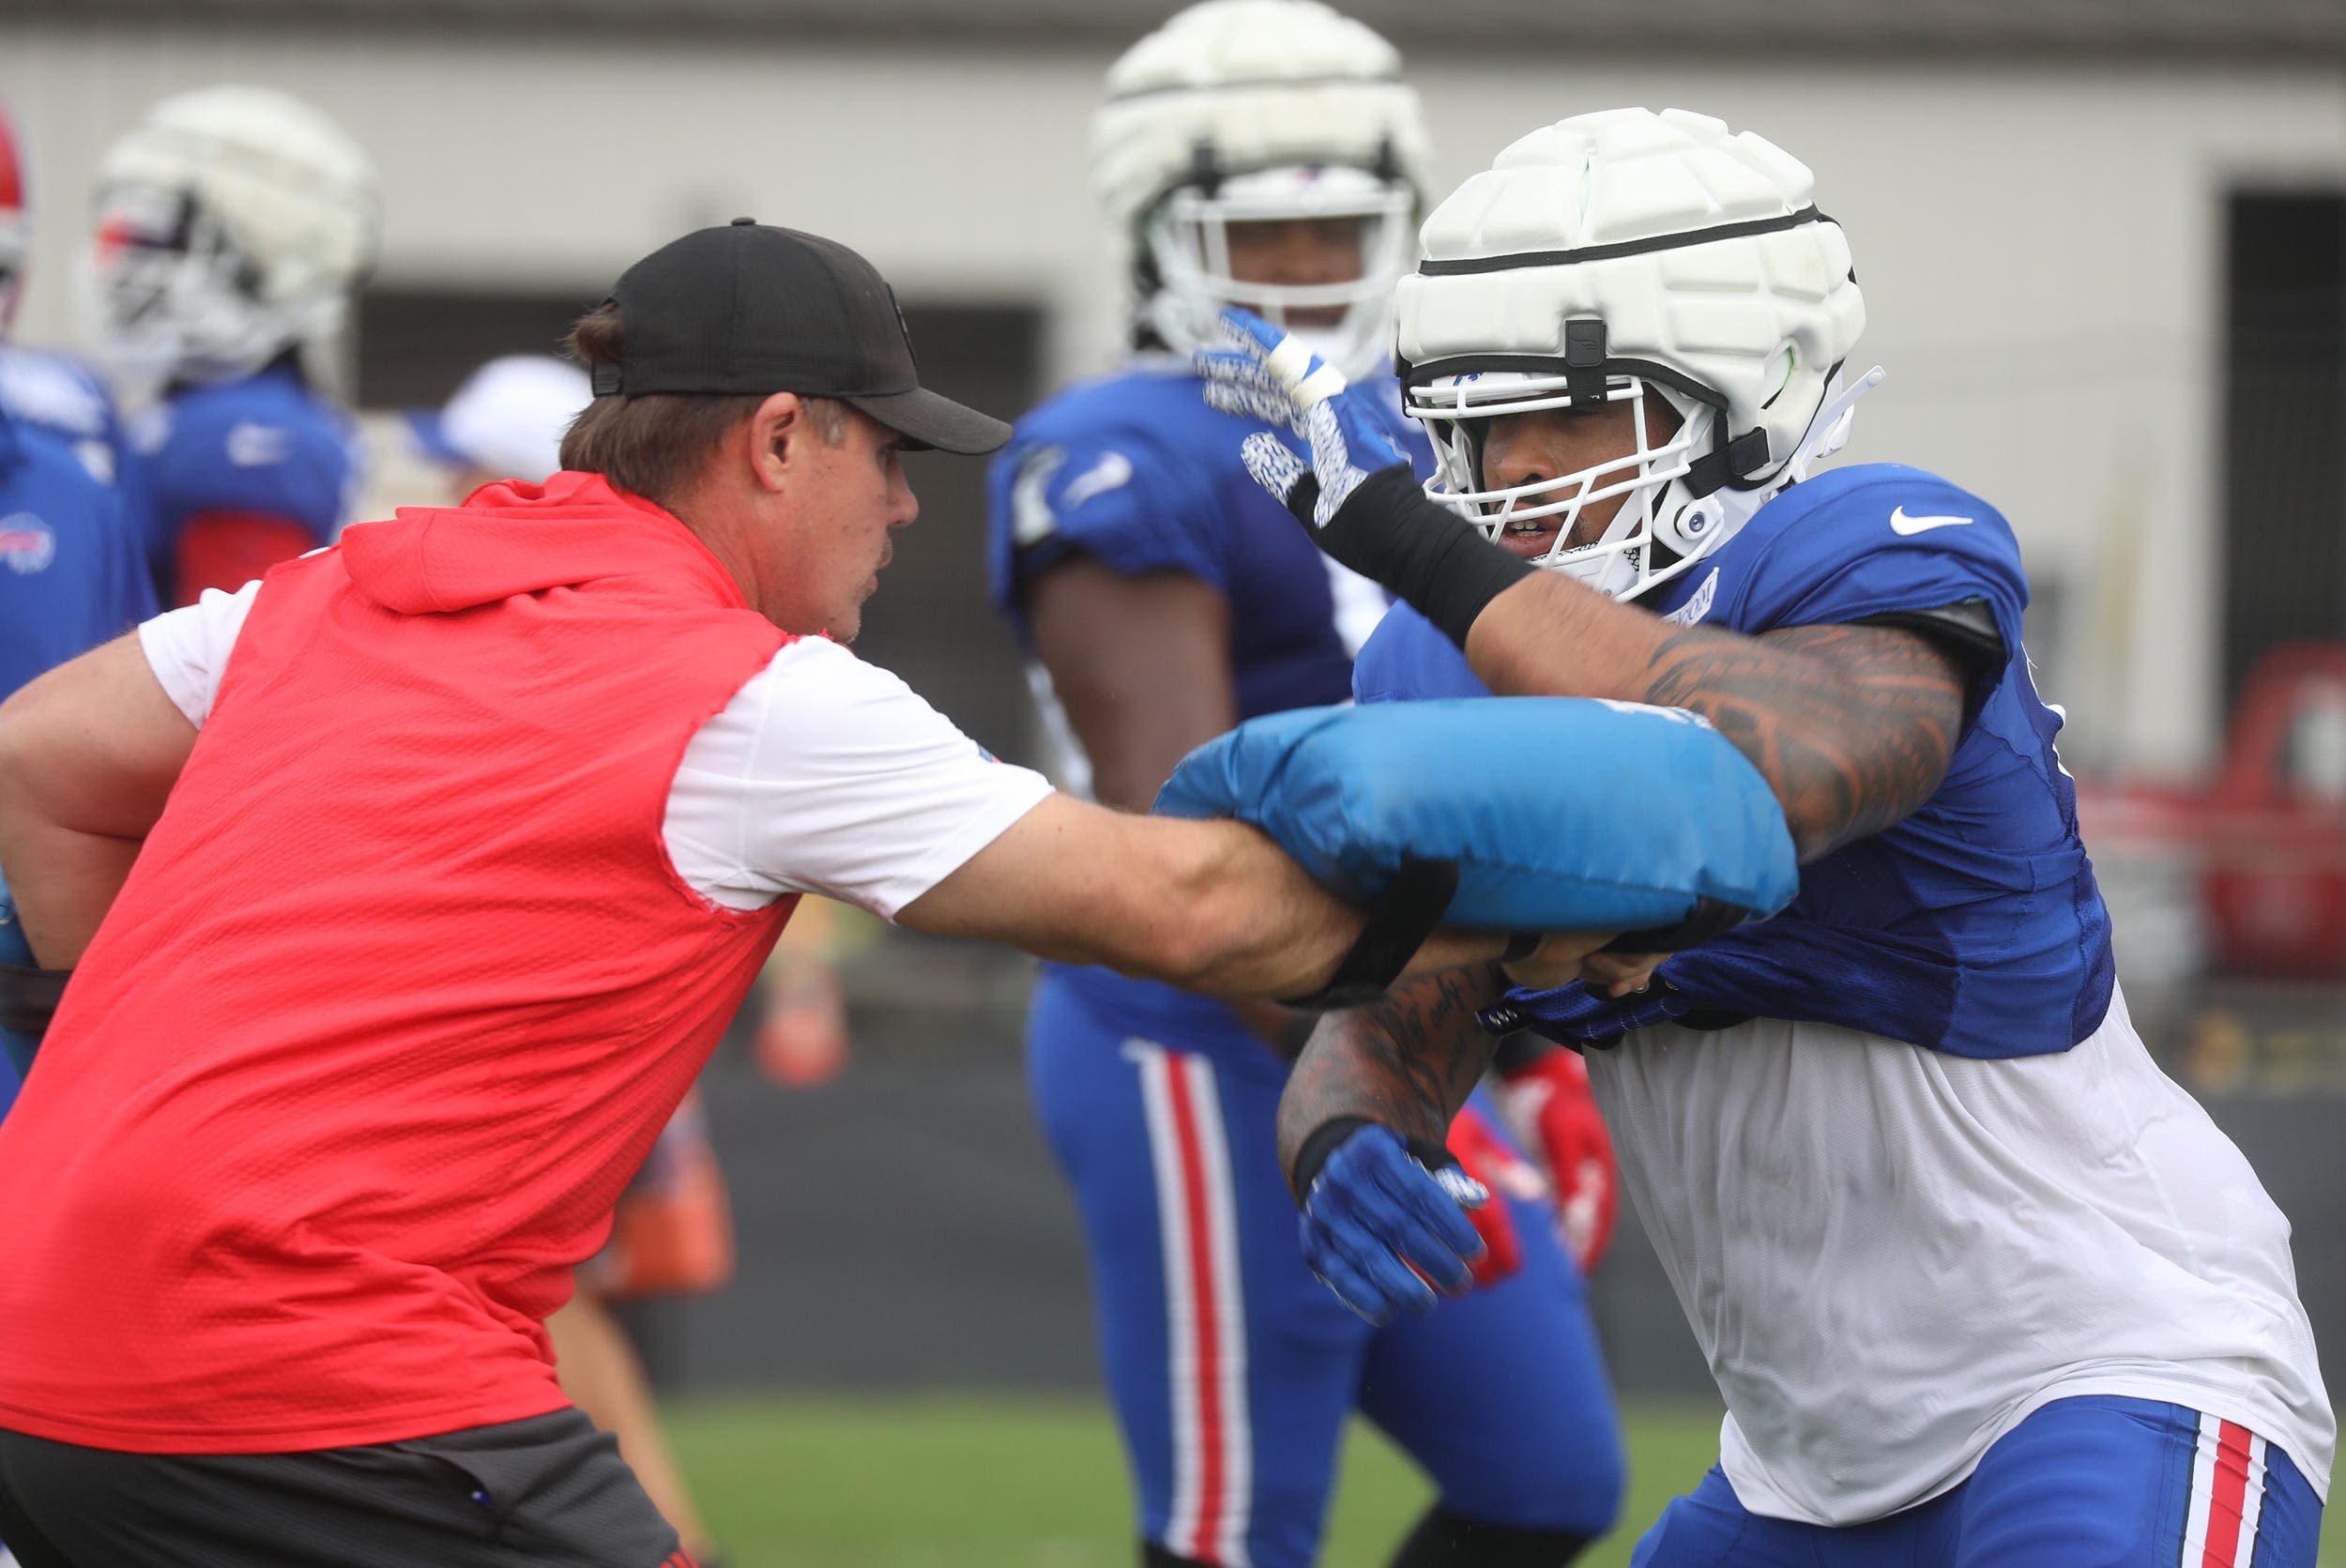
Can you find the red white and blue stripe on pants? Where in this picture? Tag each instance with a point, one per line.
(1205, 1307)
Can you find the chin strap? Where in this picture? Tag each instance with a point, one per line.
(1729, 509)
(1828, 432)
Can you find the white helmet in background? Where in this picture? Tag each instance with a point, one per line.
(232, 223)
(1618, 255)
(508, 419)
(1240, 110)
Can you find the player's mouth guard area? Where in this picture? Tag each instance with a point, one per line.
(1542, 814)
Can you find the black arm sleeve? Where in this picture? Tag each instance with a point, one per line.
(1965, 633)
(1388, 531)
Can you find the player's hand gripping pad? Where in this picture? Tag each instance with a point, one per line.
(1559, 814)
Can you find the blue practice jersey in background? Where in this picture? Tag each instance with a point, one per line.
(1974, 926)
(1135, 470)
(266, 446)
(57, 393)
(72, 574)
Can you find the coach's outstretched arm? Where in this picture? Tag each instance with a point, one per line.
(1213, 906)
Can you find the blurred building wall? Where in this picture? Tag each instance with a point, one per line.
(2041, 244)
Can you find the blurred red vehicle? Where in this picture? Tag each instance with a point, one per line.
(2266, 836)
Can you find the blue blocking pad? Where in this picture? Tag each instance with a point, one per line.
(1561, 813)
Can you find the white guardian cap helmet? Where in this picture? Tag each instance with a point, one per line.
(232, 223)
(1240, 110)
(1656, 259)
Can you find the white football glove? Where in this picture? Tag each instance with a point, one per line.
(1266, 374)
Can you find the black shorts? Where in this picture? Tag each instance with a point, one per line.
(522, 1494)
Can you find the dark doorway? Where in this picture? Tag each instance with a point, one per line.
(2284, 542)
(415, 344)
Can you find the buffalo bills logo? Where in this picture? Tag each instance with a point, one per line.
(26, 543)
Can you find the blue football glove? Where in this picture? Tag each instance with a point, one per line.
(1358, 496)
(1383, 1230)
(1266, 374)
(1580, 1014)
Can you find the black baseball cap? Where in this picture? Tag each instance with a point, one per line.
(750, 307)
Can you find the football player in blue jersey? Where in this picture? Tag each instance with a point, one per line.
(40, 386)
(72, 575)
(1261, 152)
(1979, 1285)
(232, 224)
(72, 572)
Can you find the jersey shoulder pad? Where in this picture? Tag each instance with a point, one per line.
(1407, 659)
(55, 392)
(1868, 540)
(48, 494)
(35, 457)
(1118, 468)
(265, 445)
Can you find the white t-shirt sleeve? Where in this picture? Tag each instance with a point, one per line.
(828, 775)
(188, 648)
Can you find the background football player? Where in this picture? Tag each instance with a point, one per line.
(1262, 152)
(1978, 1282)
(41, 387)
(232, 224)
(72, 569)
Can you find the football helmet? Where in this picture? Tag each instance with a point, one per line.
(1656, 259)
(507, 418)
(232, 224)
(16, 221)
(1240, 110)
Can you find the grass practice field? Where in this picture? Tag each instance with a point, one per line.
(984, 1482)
(992, 1483)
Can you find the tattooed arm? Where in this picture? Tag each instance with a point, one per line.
(1851, 725)
(1407, 1062)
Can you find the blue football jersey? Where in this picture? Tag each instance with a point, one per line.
(1135, 470)
(1974, 926)
(72, 574)
(267, 445)
(53, 392)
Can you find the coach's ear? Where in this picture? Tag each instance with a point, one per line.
(776, 438)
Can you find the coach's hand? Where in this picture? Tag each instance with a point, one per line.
(1384, 1227)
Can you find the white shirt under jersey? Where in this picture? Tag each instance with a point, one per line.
(823, 775)
(1892, 1255)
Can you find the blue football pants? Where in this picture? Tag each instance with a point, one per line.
(1233, 1369)
(2095, 1481)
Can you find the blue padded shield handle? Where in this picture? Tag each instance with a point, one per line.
(1561, 813)
(1404, 915)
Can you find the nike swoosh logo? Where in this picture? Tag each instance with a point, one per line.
(1907, 528)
